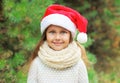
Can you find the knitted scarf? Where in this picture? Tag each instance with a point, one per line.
(60, 59)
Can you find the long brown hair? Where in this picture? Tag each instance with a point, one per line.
(84, 55)
(35, 52)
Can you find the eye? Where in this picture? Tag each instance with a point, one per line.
(52, 32)
(63, 32)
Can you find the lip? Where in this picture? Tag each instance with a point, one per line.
(57, 43)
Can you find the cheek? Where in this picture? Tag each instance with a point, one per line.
(67, 38)
(49, 37)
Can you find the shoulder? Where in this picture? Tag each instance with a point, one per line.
(36, 61)
(81, 64)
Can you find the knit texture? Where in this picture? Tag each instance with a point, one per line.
(65, 66)
(60, 59)
(40, 73)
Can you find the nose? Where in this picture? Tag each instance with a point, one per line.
(57, 37)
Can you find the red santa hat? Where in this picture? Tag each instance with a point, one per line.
(67, 18)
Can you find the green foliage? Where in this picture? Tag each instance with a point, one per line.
(84, 7)
(116, 2)
(109, 78)
(89, 42)
(22, 27)
(92, 76)
(21, 77)
(108, 13)
(19, 11)
(13, 31)
(91, 14)
(2, 64)
(17, 60)
(24, 17)
(118, 28)
(91, 57)
(20, 34)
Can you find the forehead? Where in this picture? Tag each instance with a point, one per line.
(54, 27)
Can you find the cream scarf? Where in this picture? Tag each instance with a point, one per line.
(60, 59)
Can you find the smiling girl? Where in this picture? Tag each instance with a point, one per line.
(58, 58)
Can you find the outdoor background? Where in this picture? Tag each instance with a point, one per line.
(20, 32)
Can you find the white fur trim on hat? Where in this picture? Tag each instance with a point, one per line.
(82, 37)
(60, 20)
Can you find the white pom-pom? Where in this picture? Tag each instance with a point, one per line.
(82, 37)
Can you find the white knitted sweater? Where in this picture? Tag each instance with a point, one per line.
(40, 73)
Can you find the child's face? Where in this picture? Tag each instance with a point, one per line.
(57, 37)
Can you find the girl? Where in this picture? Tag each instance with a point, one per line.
(58, 58)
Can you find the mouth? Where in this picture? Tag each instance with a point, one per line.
(57, 43)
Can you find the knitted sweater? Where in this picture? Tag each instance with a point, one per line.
(40, 73)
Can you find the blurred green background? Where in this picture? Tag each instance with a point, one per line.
(20, 32)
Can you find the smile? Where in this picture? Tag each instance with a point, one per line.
(57, 43)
